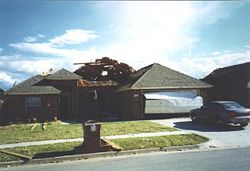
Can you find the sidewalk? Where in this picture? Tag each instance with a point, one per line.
(25, 144)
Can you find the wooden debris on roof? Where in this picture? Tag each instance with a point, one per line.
(104, 69)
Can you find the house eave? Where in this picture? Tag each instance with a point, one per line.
(21, 94)
(164, 88)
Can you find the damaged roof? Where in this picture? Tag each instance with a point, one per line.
(156, 76)
(63, 74)
(28, 87)
(105, 69)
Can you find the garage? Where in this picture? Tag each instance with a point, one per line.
(156, 89)
(168, 102)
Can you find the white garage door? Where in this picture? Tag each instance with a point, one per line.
(172, 102)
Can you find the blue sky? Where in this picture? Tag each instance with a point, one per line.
(188, 36)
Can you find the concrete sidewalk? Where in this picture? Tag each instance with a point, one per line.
(25, 144)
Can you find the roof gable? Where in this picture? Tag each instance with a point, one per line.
(1, 91)
(27, 87)
(240, 71)
(156, 76)
(63, 74)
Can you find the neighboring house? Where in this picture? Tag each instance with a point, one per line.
(156, 89)
(1, 94)
(63, 95)
(43, 97)
(1, 105)
(230, 83)
(66, 95)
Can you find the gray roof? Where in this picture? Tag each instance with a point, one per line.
(28, 87)
(1, 90)
(156, 76)
(63, 74)
(239, 71)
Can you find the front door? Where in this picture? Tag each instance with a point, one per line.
(98, 103)
(65, 106)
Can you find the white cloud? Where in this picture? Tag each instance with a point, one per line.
(33, 38)
(142, 33)
(247, 46)
(75, 36)
(46, 48)
(4, 77)
(34, 67)
(151, 32)
(155, 26)
(202, 66)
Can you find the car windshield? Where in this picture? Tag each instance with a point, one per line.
(232, 105)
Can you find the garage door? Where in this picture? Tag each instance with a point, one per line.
(171, 102)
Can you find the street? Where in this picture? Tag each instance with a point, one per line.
(215, 160)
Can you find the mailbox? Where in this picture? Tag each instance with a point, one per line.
(92, 134)
(92, 141)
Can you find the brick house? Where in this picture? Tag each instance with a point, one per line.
(230, 83)
(66, 95)
(42, 97)
(1, 94)
(1, 104)
(154, 89)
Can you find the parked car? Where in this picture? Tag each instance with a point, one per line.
(222, 113)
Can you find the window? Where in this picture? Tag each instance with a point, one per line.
(33, 107)
(33, 101)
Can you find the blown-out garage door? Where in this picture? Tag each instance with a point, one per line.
(172, 102)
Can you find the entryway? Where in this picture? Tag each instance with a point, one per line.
(65, 106)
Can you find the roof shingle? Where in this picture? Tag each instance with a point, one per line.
(63, 74)
(27, 87)
(156, 76)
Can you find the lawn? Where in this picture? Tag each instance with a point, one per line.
(159, 141)
(126, 144)
(32, 150)
(56, 130)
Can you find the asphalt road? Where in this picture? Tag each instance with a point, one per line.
(228, 137)
(214, 160)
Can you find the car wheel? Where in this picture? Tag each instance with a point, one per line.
(219, 122)
(193, 117)
(243, 124)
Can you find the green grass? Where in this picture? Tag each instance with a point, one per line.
(7, 158)
(32, 150)
(24, 133)
(160, 141)
(56, 130)
(123, 128)
(126, 144)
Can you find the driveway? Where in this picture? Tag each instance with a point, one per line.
(229, 137)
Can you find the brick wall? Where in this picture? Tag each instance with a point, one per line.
(16, 108)
(130, 105)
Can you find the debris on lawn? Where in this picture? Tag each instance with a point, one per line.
(44, 126)
(115, 147)
(16, 155)
(34, 125)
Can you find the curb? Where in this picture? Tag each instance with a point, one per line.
(97, 155)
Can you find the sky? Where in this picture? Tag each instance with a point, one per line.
(188, 36)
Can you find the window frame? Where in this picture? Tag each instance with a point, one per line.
(33, 101)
